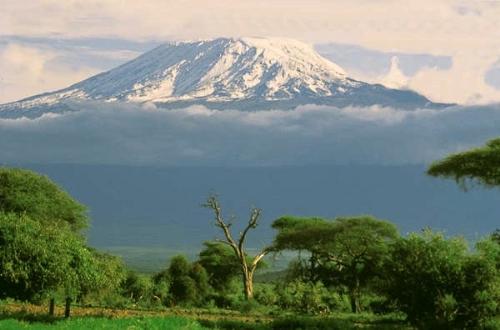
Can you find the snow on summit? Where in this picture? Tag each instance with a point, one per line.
(218, 70)
(248, 73)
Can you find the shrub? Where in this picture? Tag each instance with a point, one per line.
(304, 297)
(438, 283)
(138, 288)
(265, 294)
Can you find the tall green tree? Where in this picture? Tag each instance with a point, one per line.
(37, 260)
(42, 249)
(350, 250)
(26, 192)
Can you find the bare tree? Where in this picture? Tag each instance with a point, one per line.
(248, 266)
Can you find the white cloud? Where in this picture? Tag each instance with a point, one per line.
(429, 26)
(463, 83)
(395, 78)
(25, 71)
(130, 134)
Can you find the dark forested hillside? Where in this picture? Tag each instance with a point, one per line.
(160, 207)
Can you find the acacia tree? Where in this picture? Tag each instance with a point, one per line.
(347, 250)
(247, 265)
(479, 165)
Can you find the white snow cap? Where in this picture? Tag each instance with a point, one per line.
(217, 70)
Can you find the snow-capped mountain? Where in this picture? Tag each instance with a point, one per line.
(245, 73)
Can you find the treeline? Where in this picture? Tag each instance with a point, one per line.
(347, 264)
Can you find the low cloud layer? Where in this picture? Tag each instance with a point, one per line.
(144, 135)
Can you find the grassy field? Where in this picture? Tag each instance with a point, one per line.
(106, 323)
(27, 316)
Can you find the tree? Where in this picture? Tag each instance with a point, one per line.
(221, 264)
(439, 284)
(495, 236)
(37, 260)
(480, 165)
(109, 280)
(188, 282)
(348, 250)
(304, 234)
(23, 191)
(42, 249)
(247, 267)
(137, 287)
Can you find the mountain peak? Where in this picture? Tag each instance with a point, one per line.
(249, 72)
(228, 69)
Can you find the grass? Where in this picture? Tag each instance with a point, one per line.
(36, 313)
(156, 322)
(340, 322)
(134, 323)
(28, 316)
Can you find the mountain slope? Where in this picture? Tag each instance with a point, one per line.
(246, 73)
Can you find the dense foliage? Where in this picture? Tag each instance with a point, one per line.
(346, 251)
(481, 165)
(439, 283)
(37, 260)
(344, 265)
(23, 191)
(220, 263)
(42, 250)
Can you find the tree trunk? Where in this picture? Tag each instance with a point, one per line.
(67, 308)
(355, 308)
(248, 284)
(354, 297)
(52, 304)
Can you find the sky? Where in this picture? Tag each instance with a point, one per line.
(448, 50)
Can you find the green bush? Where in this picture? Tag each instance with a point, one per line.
(303, 297)
(138, 288)
(438, 283)
(181, 284)
(265, 294)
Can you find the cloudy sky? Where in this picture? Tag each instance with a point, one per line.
(131, 134)
(449, 50)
